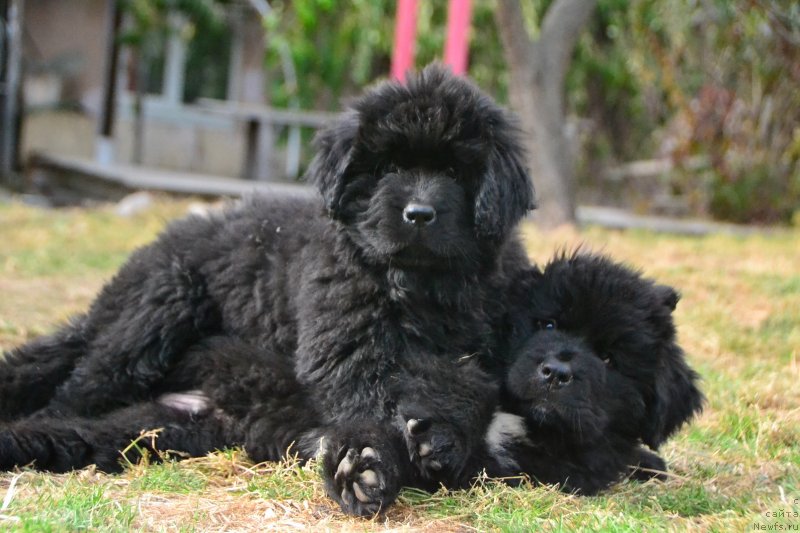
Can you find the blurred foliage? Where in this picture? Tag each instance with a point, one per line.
(339, 46)
(604, 89)
(334, 48)
(728, 74)
(151, 16)
(202, 23)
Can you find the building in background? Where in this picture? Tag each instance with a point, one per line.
(64, 50)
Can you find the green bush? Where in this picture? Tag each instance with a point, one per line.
(758, 193)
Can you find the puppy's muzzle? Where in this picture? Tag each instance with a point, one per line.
(419, 214)
(555, 372)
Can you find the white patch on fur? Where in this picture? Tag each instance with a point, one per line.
(192, 401)
(504, 430)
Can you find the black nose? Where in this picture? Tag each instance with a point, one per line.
(419, 214)
(555, 373)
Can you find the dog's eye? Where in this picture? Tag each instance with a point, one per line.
(607, 360)
(547, 323)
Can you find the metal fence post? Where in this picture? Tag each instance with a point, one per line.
(10, 109)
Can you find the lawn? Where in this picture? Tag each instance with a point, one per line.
(737, 467)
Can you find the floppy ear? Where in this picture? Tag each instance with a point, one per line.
(335, 147)
(676, 398)
(505, 194)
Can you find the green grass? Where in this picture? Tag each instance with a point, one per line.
(169, 477)
(738, 319)
(69, 503)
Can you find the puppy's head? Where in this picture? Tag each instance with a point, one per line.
(558, 382)
(600, 354)
(423, 173)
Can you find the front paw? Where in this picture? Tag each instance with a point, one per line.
(361, 482)
(649, 466)
(361, 475)
(436, 449)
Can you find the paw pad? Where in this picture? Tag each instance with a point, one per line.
(360, 482)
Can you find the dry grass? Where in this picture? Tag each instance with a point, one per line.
(739, 320)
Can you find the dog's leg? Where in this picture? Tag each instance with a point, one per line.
(62, 444)
(444, 411)
(364, 467)
(30, 374)
(143, 323)
(649, 466)
(276, 413)
(257, 387)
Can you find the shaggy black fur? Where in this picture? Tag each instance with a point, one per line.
(597, 375)
(401, 264)
(231, 393)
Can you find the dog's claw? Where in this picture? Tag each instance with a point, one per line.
(368, 453)
(415, 426)
(345, 466)
(425, 449)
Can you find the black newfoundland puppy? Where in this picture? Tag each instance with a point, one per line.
(596, 379)
(401, 262)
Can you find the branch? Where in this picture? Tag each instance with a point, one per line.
(561, 29)
(516, 41)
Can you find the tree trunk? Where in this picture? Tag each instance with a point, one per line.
(537, 71)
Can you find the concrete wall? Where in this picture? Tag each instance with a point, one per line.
(170, 145)
(71, 34)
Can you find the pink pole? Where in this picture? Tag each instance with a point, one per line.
(456, 46)
(405, 34)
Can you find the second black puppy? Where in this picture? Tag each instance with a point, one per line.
(596, 378)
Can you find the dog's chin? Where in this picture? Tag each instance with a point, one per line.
(413, 255)
(578, 423)
(416, 256)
